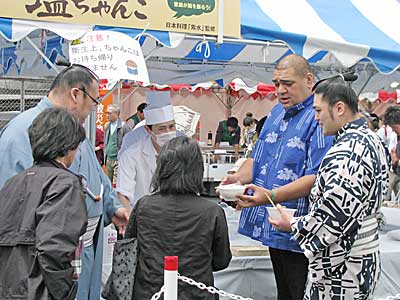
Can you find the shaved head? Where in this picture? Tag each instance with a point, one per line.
(293, 80)
(299, 64)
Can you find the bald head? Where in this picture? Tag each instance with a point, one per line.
(293, 80)
(299, 64)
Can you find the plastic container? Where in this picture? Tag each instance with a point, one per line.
(229, 192)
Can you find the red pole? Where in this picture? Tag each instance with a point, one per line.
(171, 277)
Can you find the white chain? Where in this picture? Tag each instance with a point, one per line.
(211, 289)
(201, 286)
(157, 295)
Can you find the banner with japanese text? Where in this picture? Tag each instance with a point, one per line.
(101, 110)
(188, 16)
(110, 55)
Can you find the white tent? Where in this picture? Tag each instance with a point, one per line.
(334, 36)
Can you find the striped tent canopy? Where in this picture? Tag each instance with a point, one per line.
(362, 35)
(382, 96)
(237, 88)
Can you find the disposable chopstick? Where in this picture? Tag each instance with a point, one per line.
(270, 200)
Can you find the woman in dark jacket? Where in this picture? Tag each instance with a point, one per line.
(175, 220)
(43, 214)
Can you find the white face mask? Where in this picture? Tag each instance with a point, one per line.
(251, 130)
(162, 138)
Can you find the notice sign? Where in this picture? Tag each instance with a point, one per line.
(111, 55)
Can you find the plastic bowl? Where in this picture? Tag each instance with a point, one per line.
(274, 213)
(229, 192)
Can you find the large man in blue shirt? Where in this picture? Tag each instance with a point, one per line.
(284, 161)
(75, 89)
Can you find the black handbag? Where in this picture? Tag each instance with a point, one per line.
(119, 285)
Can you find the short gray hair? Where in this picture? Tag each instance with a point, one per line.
(115, 108)
(53, 133)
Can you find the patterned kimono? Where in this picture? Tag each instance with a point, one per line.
(339, 235)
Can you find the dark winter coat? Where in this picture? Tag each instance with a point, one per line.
(190, 227)
(42, 216)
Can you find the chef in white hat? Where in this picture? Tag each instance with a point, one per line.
(137, 163)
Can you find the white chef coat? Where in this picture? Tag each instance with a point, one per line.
(132, 138)
(136, 167)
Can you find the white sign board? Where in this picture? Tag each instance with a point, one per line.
(186, 119)
(111, 55)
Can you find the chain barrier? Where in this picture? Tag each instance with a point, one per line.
(157, 295)
(211, 289)
(202, 286)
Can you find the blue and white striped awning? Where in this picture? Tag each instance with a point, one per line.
(339, 33)
(349, 29)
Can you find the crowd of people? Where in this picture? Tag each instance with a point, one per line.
(314, 152)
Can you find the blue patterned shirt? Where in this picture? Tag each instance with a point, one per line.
(291, 145)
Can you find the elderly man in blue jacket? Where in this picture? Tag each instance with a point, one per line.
(75, 89)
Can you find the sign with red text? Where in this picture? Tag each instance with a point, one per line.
(110, 55)
(101, 110)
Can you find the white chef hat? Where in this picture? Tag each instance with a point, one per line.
(159, 108)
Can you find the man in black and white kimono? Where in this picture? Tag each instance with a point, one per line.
(339, 235)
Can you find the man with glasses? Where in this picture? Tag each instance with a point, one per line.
(70, 90)
(75, 89)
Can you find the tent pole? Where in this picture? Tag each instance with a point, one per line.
(237, 101)
(53, 66)
(111, 91)
(22, 104)
(131, 93)
(228, 102)
(365, 83)
(119, 93)
(151, 52)
(239, 40)
(220, 38)
(219, 98)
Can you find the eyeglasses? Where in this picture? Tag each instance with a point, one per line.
(96, 101)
